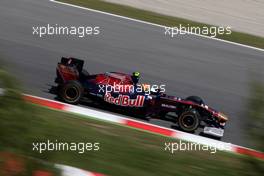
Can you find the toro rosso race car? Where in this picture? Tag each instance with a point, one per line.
(120, 90)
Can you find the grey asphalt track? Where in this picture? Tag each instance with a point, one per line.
(188, 65)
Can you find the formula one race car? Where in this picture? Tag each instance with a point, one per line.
(119, 90)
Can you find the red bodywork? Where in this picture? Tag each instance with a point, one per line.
(67, 73)
(71, 69)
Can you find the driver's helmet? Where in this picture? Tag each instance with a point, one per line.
(136, 74)
(135, 77)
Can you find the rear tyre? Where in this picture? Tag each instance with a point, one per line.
(71, 92)
(189, 120)
(195, 99)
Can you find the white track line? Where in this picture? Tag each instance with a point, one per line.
(153, 24)
(73, 171)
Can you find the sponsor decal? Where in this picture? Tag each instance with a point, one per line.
(125, 100)
(168, 106)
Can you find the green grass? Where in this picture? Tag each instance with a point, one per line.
(16, 130)
(256, 110)
(135, 13)
(123, 151)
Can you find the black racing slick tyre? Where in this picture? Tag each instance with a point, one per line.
(71, 92)
(195, 99)
(189, 120)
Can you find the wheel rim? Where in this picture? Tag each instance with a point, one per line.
(71, 93)
(188, 121)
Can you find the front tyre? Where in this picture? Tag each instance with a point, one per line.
(71, 92)
(189, 120)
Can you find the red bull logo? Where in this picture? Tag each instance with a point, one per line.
(125, 100)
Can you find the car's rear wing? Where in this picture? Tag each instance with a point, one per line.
(78, 63)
